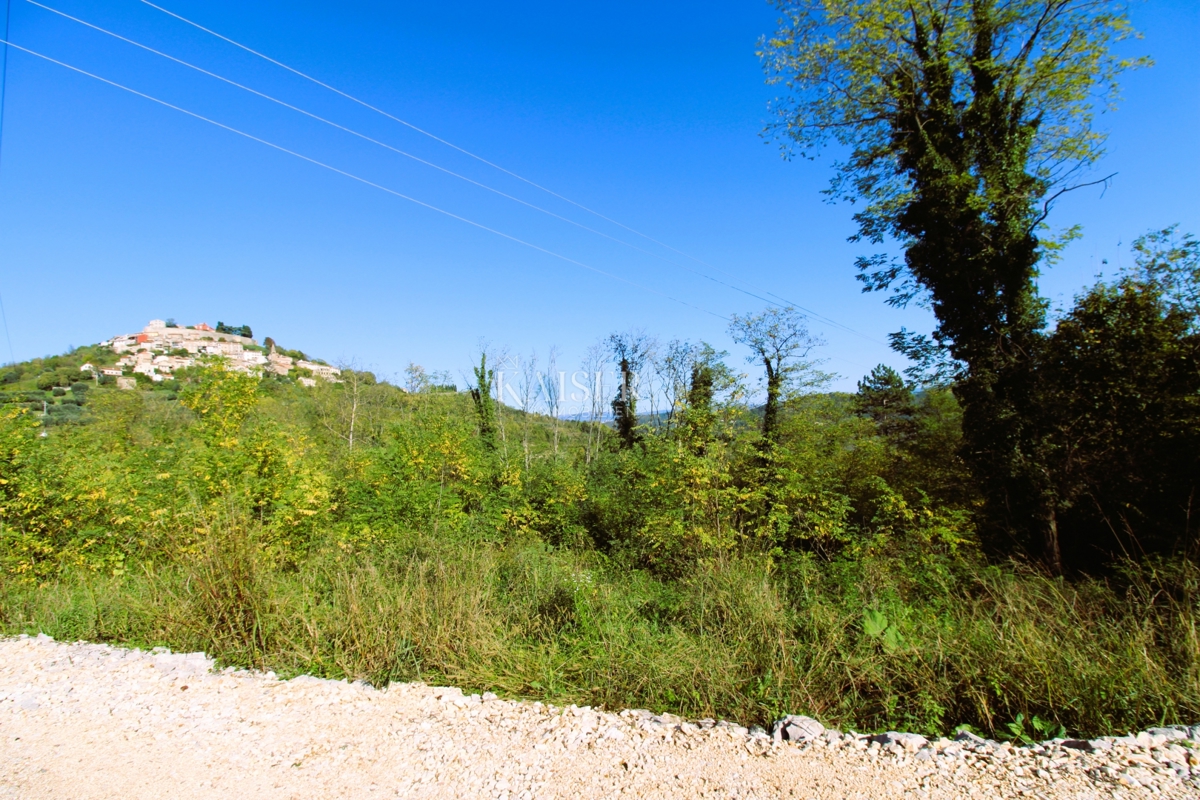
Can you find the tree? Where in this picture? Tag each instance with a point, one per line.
(676, 366)
(551, 391)
(888, 401)
(965, 120)
(1121, 393)
(709, 376)
(222, 398)
(347, 407)
(416, 379)
(630, 350)
(527, 387)
(593, 368)
(239, 330)
(780, 341)
(485, 408)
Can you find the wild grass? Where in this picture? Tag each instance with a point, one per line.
(878, 643)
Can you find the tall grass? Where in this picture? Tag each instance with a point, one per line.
(948, 641)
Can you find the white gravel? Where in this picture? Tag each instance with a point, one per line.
(92, 721)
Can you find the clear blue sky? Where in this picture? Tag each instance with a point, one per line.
(114, 210)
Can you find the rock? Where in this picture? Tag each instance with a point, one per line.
(1171, 734)
(309, 679)
(969, 738)
(797, 729)
(909, 741)
(614, 733)
(1079, 744)
(182, 664)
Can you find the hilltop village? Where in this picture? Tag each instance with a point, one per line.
(163, 347)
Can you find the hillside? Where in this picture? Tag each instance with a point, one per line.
(353, 529)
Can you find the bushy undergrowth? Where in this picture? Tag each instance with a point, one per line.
(887, 641)
(354, 530)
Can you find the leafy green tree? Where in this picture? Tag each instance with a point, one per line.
(1121, 400)
(238, 330)
(222, 398)
(964, 120)
(710, 377)
(888, 401)
(485, 408)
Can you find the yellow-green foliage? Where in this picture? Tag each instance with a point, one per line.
(701, 571)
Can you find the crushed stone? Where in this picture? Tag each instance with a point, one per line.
(93, 721)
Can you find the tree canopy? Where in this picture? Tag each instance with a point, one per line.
(964, 121)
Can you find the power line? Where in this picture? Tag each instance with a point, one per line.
(3, 98)
(352, 176)
(807, 312)
(386, 146)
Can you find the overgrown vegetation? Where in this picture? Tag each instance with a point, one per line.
(714, 561)
(1006, 540)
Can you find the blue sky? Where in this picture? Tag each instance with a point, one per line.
(114, 210)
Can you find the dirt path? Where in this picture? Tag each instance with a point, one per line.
(90, 721)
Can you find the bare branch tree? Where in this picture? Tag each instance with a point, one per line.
(674, 366)
(345, 407)
(780, 341)
(593, 366)
(527, 388)
(552, 389)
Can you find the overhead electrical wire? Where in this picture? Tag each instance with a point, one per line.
(386, 146)
(806, 311)
(362, 180)
(3, 101)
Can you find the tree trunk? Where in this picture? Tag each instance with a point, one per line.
(770, 422)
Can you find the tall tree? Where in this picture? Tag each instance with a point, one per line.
(485, 409)
(593, 369)
(965, 119)
(888, 401)
(675, 366)
(779, 340)
(630, 350)
(1121, 392)
(551, 389)
(709, 375)
(344, 408)
(527, 388)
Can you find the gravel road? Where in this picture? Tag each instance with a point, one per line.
(92, 721)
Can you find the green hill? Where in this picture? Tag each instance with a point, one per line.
(357, 530)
